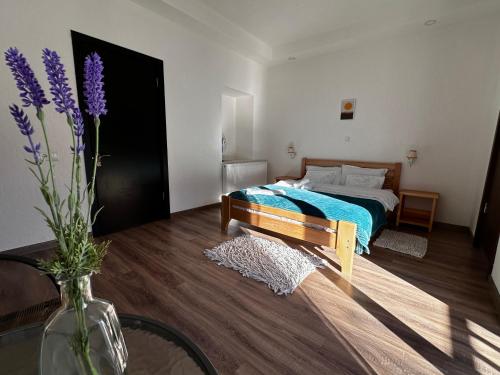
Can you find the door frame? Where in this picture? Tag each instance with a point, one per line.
(495, 149)
(77, 37)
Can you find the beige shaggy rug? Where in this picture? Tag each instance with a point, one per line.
(281, 267)
(404, 243)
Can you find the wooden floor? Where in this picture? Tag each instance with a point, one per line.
(398, 315)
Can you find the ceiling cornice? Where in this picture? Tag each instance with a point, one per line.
(196, 16)
(359, 33)
(199, 18)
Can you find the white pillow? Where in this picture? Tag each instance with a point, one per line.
(319, 168)
(366, 181)
(351, 169)
(323, 175)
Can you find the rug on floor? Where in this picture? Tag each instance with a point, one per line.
(281, 267)
(404, 243)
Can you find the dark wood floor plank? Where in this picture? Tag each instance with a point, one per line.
(398, 315)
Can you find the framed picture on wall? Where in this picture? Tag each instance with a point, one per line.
(347, 108)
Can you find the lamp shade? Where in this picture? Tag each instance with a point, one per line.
(412, 154)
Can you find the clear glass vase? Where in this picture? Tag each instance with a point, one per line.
(83, 336)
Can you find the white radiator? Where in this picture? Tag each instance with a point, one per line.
(242, 174)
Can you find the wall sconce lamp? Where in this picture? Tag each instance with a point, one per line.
(411, 156)
(291, 151)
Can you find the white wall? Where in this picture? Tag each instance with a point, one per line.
(196, 72)
(238, 126)
(244, 123)
(228, 104)
(434, 89)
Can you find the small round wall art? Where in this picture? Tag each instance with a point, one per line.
(347, 108)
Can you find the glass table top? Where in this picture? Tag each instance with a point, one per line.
(153, 348)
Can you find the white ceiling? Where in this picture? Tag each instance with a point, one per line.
(279, 22)
(273, 30)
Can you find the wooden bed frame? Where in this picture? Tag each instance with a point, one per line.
(343, 238)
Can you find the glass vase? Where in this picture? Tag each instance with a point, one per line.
(83, 336)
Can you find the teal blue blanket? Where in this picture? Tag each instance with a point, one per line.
(368, 214)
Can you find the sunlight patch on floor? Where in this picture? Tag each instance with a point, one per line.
(383, 353)
(410, 317)
(477, 330)
(408, 303)
(485, 345)
(356, 355)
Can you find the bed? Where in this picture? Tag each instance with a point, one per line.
(321, 217)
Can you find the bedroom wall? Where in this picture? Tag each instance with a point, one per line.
(228, 104)
(196, 72)
(244, 123)
(434, 90)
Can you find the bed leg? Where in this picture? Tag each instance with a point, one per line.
(346, 244)
(225, 216)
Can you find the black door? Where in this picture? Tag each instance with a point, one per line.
(132, 180)
(488, 225)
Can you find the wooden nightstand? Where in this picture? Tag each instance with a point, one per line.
(280, 178)
(423, 218)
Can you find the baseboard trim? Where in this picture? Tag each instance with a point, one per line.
(52, 245)
(495, 296)
(191, 210)
(31, 249)
(453, 227)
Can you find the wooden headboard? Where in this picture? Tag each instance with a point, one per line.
(392, 176)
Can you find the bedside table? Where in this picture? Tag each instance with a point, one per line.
(280, 178)
(414, 216)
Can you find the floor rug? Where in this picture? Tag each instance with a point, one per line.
(281, 267)
(405, 243)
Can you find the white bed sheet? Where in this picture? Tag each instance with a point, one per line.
(385, 197)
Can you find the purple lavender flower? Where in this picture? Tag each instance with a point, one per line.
(59, 88)
(31, 91)
(26, 129)
(93, 85)
(79, 129)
